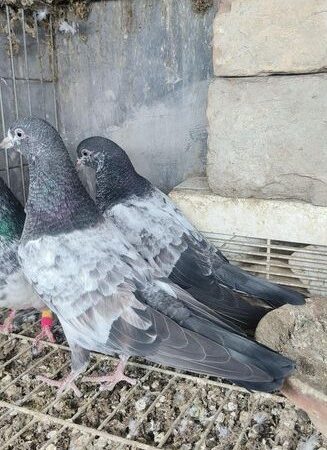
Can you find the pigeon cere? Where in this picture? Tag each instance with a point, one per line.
(163, 216)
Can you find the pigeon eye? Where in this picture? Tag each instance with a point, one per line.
(19, 133)
(85, 152)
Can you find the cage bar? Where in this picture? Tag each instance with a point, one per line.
(266, 257)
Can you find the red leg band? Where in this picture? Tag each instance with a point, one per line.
(46, 322)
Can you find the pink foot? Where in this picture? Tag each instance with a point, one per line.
(7, 326)
(63, 385)
(110, 381)
(44, 335)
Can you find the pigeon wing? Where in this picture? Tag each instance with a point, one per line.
(167, 240)
(101, 289)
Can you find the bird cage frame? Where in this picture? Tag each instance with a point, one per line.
(207, 406)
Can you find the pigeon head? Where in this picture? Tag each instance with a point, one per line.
(57, 202)
(32, 137)
(97, 152)
(116, 178)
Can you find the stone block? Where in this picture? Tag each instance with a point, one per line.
(264, 219)
(253, 37)
(268, 137)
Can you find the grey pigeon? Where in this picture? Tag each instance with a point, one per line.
(107, 297)
(15, 291)
(169, 242)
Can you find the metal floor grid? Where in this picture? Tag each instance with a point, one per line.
(165, 409)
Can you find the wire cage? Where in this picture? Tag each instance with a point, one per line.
(166, 409)
(27, 83)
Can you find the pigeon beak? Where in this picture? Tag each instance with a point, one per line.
(6, 144)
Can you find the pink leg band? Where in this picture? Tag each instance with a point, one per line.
(46, 322)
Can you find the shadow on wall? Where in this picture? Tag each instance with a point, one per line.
(141, 78)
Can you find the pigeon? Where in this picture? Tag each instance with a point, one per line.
(168, 241)
(15, 292)
(107, 297)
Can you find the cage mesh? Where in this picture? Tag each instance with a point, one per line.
(166, 409)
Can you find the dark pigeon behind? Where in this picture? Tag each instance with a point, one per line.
(168, 241)
(107, 297)
(15, 291)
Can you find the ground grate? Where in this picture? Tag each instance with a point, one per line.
(166, 409)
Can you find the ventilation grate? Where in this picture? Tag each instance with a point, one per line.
(300, 266)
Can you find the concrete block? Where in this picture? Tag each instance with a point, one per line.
(253, 37)
(268, 137)
(274, 219)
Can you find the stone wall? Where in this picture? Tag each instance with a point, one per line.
(268, 134)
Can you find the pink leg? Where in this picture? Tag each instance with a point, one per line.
(63, 385)
(110, 381)
(7, 326)
(45, 333)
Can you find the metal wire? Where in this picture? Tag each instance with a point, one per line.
(55, 417)
(3, 133)
(26, 64)
(277, 261)
(15, 96)
(8, 83)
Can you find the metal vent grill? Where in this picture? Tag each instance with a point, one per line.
(300, 266)
(166, 409)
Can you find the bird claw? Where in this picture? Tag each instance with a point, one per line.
(44, 335)
(109, 381)
(63, 385)
(7, 326)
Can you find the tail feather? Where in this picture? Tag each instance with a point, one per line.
(273, 294)
(232, 308)
(246, 351)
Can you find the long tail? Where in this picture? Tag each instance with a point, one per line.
(192, 338)
(246, 351)
(199, 347)
(231, 306)
(273, 294)
(189, 336)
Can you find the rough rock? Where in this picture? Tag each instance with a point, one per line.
(270, 36)
(309, 265)
(267, 137)
(300, 332)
